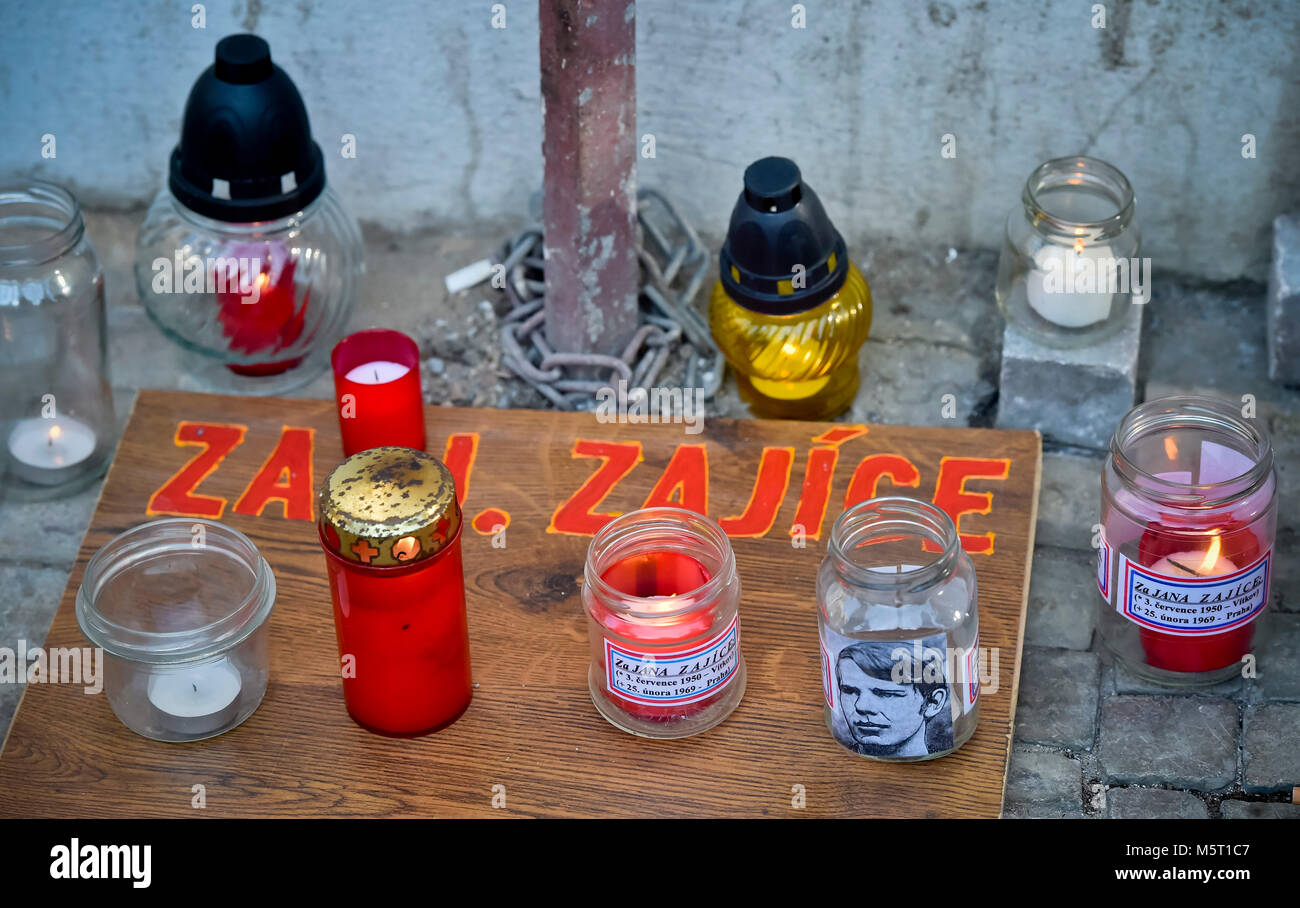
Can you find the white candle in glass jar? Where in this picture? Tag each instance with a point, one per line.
(378, 372)
(46, 451)
(1057, 271)
(198, 700)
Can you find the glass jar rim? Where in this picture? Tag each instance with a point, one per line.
(189, 645)
(1189, 411)
(1074, 169)
(58, 206)
(894, 514)
(636, 532)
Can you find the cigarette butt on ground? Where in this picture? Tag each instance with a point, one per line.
(468, 276)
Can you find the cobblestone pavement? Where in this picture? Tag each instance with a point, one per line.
(1091, 741)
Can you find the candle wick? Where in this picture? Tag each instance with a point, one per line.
(376, 376)
(1184, 567)
(195, 686)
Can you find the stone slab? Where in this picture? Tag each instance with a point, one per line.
(1043, 776)
(1187, 742)
(1075, 396)
(1058, 698)
(1154, 803)
(1284, 301)
(1269, 753)
(1062, 600)
(1259, 810)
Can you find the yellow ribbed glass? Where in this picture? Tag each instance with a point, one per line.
(801, 366)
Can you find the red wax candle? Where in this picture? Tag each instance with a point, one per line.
(662, 598)
(377, 389)
(396, 579)
(1168, 549)
(258, 310)
(657, 575)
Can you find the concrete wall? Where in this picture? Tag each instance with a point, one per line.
(445, 109)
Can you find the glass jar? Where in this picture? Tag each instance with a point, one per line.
(179, 607)
(1188, 517)
(790, 311)
(1070, 258)
(662, 599)
(390, 527)
(56, 411)
(260, 304)
(246, 258)
(899, 627)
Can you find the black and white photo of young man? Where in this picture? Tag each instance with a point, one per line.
(882, 711)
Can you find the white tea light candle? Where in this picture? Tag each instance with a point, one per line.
(196, 701)
(45, 451)
(1066, 286)
(378, 372)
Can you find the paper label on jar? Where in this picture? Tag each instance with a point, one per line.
(970, 687)
(890, 698)
(673, 677)
(1105, 557)
(1192, 606)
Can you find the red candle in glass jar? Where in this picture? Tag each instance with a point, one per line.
(1189, 516)
(662, 598)
(258, 309)
(390, 527)
(656, 577)
(377, 390)
(1219, 552)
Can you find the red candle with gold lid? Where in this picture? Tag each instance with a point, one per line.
(390, 527)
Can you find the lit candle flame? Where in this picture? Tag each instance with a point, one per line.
(1211, 557)
(1171, 448)
(55, 432)
(1078, 246)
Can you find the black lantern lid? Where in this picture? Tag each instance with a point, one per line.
(782, 254)
(246, 151)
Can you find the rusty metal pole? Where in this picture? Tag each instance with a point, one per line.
(588, 62)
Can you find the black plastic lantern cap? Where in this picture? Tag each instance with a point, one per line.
(246, 152)
(782, 254)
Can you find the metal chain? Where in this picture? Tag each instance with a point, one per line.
(667, 315)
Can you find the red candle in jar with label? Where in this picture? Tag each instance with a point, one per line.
(390, 527)
(1189, 515)
(1218, 552)
(662, 600)
(377, 390)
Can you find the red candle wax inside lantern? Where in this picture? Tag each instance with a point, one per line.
(257, 309)
(651, 576)
(377, 389)
(1183, 546)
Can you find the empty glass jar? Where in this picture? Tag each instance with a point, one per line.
(56, 407)
(899, 628)
(1070, 262)
(180, 608)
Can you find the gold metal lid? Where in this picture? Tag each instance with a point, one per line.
(389, 506)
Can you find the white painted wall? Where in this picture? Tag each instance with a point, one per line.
(446, 109)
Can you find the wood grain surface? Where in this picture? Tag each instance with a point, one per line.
(531, 727)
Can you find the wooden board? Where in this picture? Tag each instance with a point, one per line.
(531, 727)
